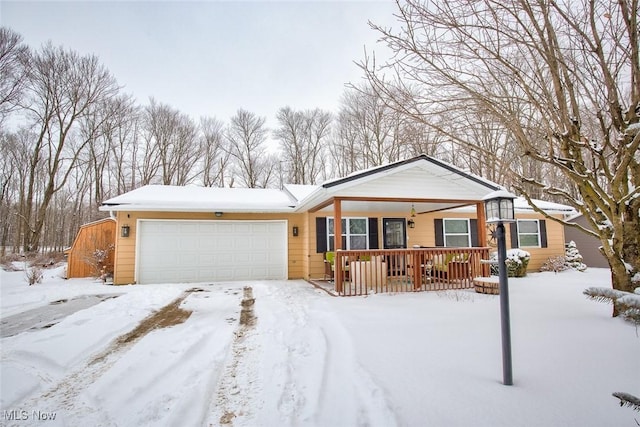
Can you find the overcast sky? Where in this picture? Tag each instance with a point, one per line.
(211, 58)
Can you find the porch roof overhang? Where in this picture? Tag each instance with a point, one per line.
(390, 204)
(427, 184)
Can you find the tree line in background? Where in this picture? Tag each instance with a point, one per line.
(70, 138)
(541, 97)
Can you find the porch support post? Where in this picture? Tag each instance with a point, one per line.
(482, 234)
(337, 224)
(337, 243)
(482, 225)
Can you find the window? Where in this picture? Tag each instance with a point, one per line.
(528, 233)
(354, 233)
(456, 233)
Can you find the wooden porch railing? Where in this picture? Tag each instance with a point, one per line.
(361, 272)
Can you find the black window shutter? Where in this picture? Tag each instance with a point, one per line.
(439, 232)
(514, 234)
(373, 233)
(321, 234)
(543, 233)
(473, 225)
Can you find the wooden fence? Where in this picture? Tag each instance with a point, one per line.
(91, 254)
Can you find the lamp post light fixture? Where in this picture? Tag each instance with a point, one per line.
(498, 207)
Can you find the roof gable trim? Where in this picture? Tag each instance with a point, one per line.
(424, 157)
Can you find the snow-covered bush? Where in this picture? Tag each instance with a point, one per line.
(573, 258)
(555, 264)
(100, 261)
(33, 274)
(517, 262)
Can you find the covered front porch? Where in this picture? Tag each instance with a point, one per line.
(362, 272)
(398, 228)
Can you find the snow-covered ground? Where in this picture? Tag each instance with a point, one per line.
(420, 359)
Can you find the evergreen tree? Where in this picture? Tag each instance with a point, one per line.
(573, 258)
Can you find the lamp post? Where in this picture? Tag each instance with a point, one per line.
(498, 207)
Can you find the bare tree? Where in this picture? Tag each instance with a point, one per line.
(303, 136)
(562, 79)
(13, 70)
(121, 134)
(493, 139)
(375, 127)
(11, 172)
(148, 156)
(172, 139)
(246, 143)
(215, 159)
(15, 148)
(420, 139)
(63, 89)
(345, 152)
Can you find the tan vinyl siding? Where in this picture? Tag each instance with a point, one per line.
(125, 246)
(303, 261)
(555, 242)
(424, 235)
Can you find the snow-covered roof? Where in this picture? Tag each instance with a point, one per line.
(429, 183)
(200, 199)
(299, 191)
(520, 205)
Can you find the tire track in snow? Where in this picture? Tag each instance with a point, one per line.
(350, 395)
(310, 373)
(237, 387)
(65, 394)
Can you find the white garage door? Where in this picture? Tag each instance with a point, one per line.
(201, 251)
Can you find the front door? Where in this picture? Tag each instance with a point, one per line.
(395, 233)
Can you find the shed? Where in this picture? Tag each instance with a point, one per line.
(92, 251)
(587, 245)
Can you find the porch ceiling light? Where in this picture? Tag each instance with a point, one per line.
(498, 207)
(413, 211)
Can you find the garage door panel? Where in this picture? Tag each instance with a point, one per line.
(206, 227)
(260, 244)
(206, 259)
(260, 258)
(198, 251)
(206, 245)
